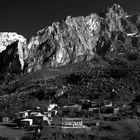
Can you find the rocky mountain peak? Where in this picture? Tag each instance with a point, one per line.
(103, 48)
(7, 38)
(113, 18)
(70, 40)
(12, 52)
(73, 39)
(117, 9)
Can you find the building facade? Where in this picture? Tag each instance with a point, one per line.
(72, 123)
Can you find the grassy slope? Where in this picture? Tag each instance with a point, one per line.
(49, 73)
(82, 80)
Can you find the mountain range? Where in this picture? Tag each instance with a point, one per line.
(96, 56)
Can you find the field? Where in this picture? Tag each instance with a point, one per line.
(127, 129)
(11, 133)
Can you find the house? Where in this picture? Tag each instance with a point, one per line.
(93, 104)
(84, 101)
(48, 114)
(34, 113)
(37, 108)
(107, 103)
(29, 111)
(52, 106)
(107, 110)
(37, 119)
(26, 122)
(94, 110)
(116, 110)
(96, 104)
(72, 123)
(53, 113)
(74, 107)
(5, 119)
(22, 114)
(45, 118)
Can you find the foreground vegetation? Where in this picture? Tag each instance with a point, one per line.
(122, 130)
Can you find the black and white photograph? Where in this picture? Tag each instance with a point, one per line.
(70, 70)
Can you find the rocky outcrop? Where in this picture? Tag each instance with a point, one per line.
(111, 38)
(12, 53)
(75, 39)
(71, 40)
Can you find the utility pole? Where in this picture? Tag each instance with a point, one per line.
(0, 130)
(97, 124)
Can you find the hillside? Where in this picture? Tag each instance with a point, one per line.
(94, 57)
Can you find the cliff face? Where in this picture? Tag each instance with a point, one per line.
(75, 39)
(12, 53)
(111, 39)
(111, 34)
(68, 41)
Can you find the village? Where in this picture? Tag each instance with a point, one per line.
(86, 116)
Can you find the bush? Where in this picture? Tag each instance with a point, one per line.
(129, 130)
(28, 137)
(4, 138)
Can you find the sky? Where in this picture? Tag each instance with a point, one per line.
(26, 17)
